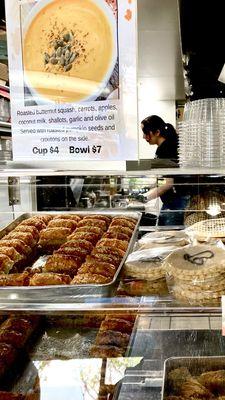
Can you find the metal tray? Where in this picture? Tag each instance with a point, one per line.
(196, 366)
(51, 293)
(55, 348)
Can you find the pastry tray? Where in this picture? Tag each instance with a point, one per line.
(59, 345)
(196, 366)
(51, 293)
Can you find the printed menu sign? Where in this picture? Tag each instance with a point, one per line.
(73, 79)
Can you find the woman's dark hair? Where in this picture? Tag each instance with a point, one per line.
(155, 123)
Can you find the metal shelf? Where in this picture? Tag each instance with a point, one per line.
(68, 168)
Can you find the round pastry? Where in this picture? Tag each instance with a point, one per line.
(36, 221)
(196, 262)
(120, 244)
(165, 238)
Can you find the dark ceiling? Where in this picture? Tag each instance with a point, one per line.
(2, 10)
(202, 35)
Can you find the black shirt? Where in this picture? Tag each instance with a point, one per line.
(168, 150)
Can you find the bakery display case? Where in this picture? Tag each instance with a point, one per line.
(144, 300)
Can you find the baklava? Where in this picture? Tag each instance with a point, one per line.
(11, 253)
(121, 229)
(53, 238)
(7, 353)
(89, 236)
(98, 217)
(25, 237)
(92, 229)
(18, 245)
(106, 351)
(63, 263)
(6, 264)
(36, 221)
(72, 217)
(113, 338)
(28, 228)
(93, 222)
(120, 244)
(97, 267)
(17, 279)
(47, 279)
(62, 222)
(113, 251)
(90, 279)
(116, 324)
(108, 258)
(116, 235)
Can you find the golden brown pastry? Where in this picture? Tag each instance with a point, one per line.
(81, 243)
(113, 338)
(7, 353)
(116, 324)
(22, 325)
(93, 222)
(16, 339)
(116, 235)
(100, 217)
(85, 279)
(63, 263)
(72, 217)
(99, 268)
(52, 238)
(120, 244)
(36, 221)
(111, 259)
(11, 396)
(191, 388)
(113, 251)
(93, 229)
(124, 217)
(121, 229)
(63, 222)
(18, 245)
(123, 222)
(126, 317)
(28, 228)
(26, 237)
(48, 278)
(17, 279)
(92, 260)
(11, 253)
(6, 264)
(46, 218)
(100, 351)
(89, 236)
(214, 381)
(177, 377)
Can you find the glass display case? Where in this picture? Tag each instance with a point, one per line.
(64, 341)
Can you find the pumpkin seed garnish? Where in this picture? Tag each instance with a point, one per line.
(67, 67)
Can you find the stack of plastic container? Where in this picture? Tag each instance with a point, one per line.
(202, 134)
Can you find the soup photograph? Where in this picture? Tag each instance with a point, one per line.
(70, 51)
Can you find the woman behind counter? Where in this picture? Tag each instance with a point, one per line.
(174, 197)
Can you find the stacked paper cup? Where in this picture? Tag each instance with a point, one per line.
(202, 134)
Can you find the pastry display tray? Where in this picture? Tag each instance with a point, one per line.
(161, 351)
(60, 348)
(196, 366)
(69, 292)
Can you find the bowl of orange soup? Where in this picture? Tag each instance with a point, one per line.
(69, 50)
